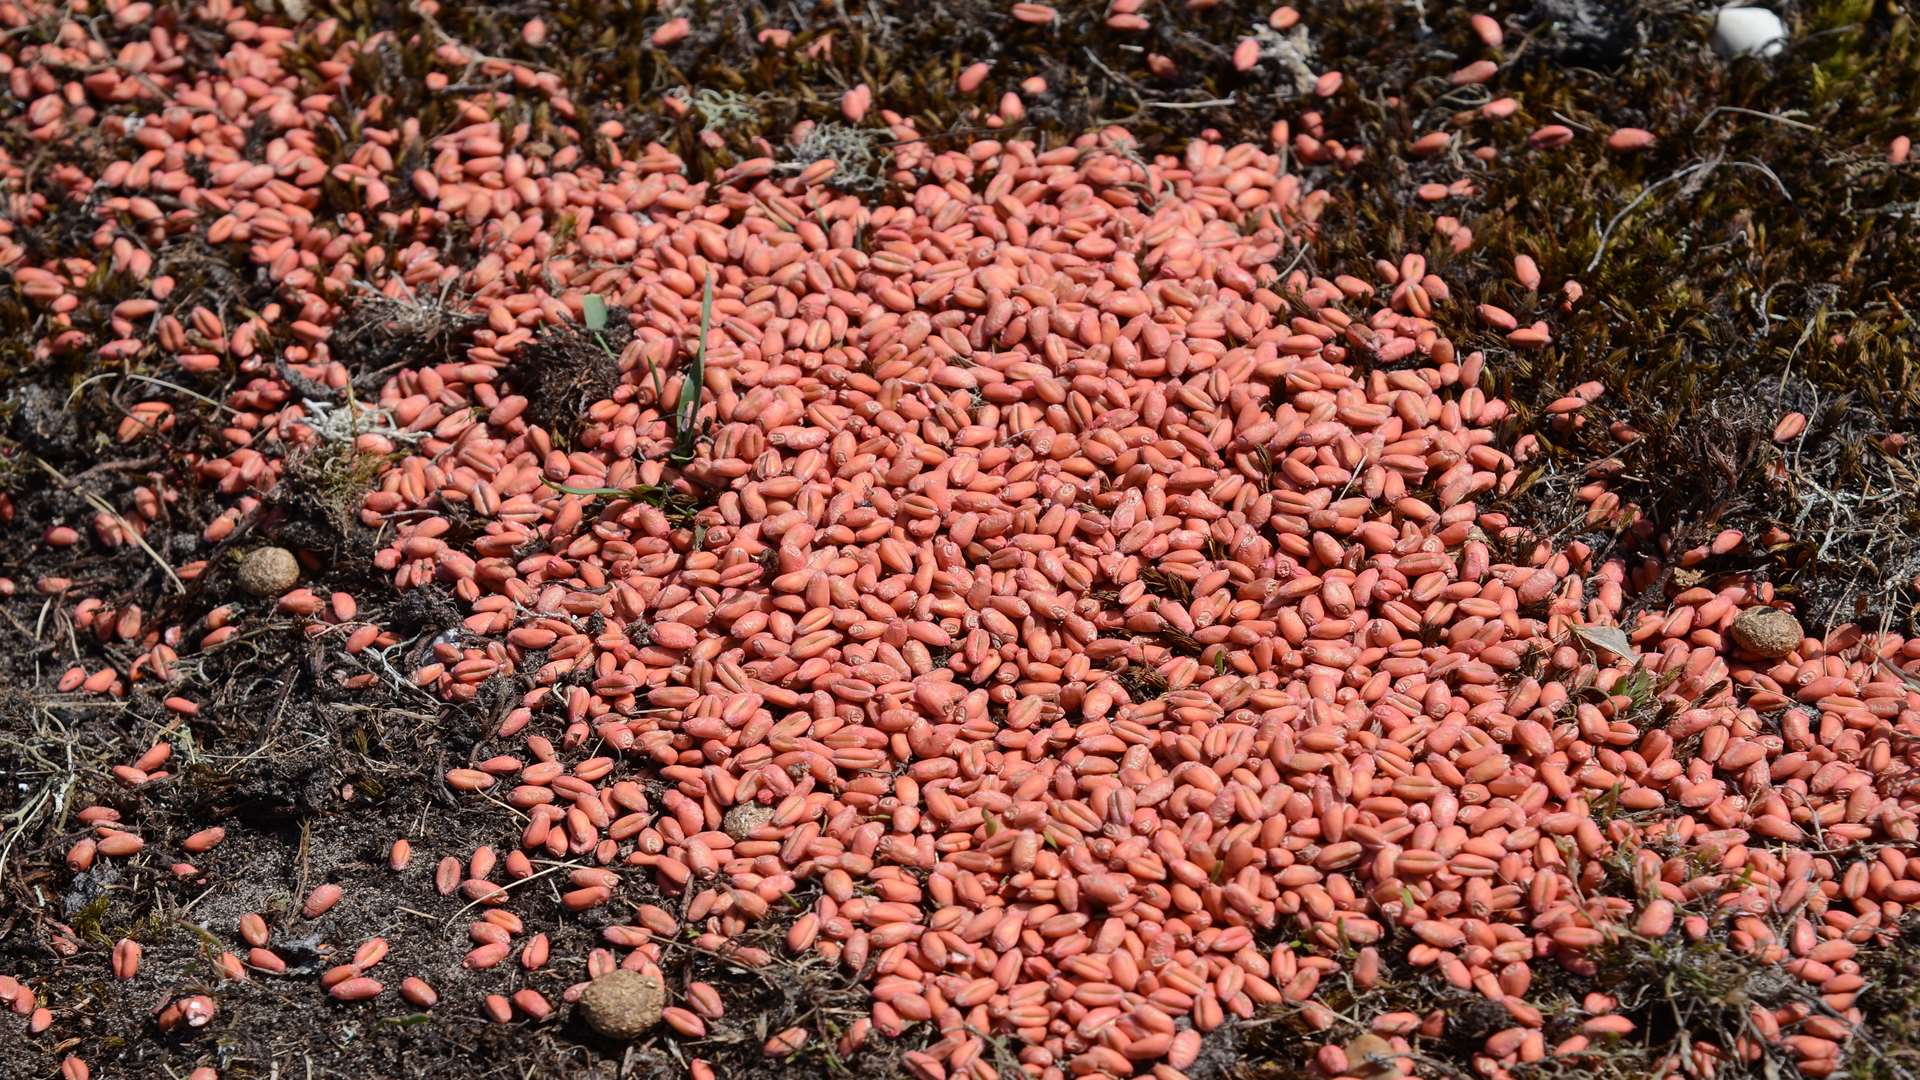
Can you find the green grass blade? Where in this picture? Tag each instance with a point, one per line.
(689, 409)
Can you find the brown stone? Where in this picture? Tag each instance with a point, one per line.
(623, 1004)
(269, 571)
(1766, 631)
(743, 820)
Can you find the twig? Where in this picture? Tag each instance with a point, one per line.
(24, 817)
(1768, 173)
(556, 867)
(1213, 103)
(1903, 676)
(1607, 233)
(304, 852)
(1132, 88)
(129, 465)
(149, 379)
(1697, 167)
(126, 527)
(1776, 117)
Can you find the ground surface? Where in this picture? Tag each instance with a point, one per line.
(1759, 258)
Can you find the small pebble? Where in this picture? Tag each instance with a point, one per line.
(623, 1004)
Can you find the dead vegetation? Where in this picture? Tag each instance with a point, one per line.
(382, 334)
(566, 369)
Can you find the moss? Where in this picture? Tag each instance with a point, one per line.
(327, 481)
(1749, 263)
(1678, 993)
(1889, 1003)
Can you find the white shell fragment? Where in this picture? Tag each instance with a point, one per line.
(1748, 31)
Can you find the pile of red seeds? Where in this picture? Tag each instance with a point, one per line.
(1102, 624)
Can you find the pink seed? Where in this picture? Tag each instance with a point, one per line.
(253, 929)
(1526, 273)
(671, 32)
(1477, 72)
(359, 988)
(370, 952)
(1628, 139)
(119, 845)
(321, 900)
(1550, 135)
(204, 840)
(684, 1022)
(446, 875)
(971, 78)
(531, 1003)
(418, 993)
(126, 958)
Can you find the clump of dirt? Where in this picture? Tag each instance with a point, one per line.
(381, 334)
(1588, 32)
(316, 505)
(568, 368)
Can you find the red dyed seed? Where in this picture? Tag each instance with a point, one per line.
(119, 845)
(446, 876)
(1477, 72)
(204, 840)
(1550, 135)
(531, 1003)
(126, 958)
(486, 956)
(370, 952)
(253, 929)
(417, 992)
(1627, 140)
(321, 900)
(338, 974)
(533, 955)
(786, 1042)
(684, 1022)
(359, 988)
